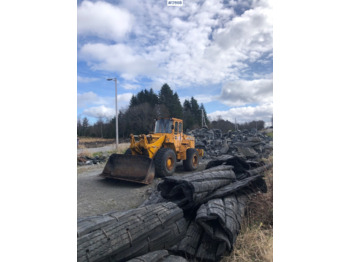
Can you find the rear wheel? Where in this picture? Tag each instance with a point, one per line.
(192, 160)
(165, 162)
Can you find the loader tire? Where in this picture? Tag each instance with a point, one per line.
(192, 160)
(165, 162)
(128, 152)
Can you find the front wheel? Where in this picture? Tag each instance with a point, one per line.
(165, 162)
(192, 160)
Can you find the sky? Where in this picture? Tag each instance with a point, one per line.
(219, 52)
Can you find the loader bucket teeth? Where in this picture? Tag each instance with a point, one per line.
(134, 168)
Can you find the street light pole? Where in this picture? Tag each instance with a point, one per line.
(116, 112)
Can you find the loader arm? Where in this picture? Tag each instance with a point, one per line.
(144, 147)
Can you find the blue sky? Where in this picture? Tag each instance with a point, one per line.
(220, 52)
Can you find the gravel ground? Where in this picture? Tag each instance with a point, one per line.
(97, 195)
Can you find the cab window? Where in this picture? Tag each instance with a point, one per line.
(163, 126)
(180, 127)
(176, 127)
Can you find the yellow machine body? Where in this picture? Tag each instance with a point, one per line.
(168, 133)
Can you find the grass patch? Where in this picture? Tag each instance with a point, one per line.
(83, 139)
(252, 244)
(270, 134)
(255, 241)
(85, 153)
(121, 149)
(97, 154)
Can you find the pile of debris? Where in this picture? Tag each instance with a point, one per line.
(87, 160)
(251, 144)
(196, 216)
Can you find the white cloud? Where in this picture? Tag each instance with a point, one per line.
(118, 57)
(245, 114)
(86, 79)
(200, 98)
(242, 92)
(89, 98)
(100, 111)
(202, 43)
(109, 110)
(129, 86)
(124, 99)
(103, 20)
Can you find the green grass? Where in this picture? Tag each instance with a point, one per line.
(270, 134)
(97, 154)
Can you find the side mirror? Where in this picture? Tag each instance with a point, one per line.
(172, 126)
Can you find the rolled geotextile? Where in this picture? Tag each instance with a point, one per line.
(190, 243)
(243, 168)
(156, 196)
(89, 224)
(240, 164)
(221, 221)
(246, 185)
(213, 232)
(158, 256)
(189, 190)
(133, 234)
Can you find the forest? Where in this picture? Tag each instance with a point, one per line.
(147, 106)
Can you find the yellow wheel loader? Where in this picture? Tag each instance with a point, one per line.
(155, 154)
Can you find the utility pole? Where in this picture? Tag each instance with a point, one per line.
(204, 124)
(116, 112)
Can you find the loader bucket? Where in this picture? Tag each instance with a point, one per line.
(139, 169)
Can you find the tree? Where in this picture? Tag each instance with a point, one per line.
(100, 124)
(79, 127)
(171, 101)
(192, 114)
(85, 127)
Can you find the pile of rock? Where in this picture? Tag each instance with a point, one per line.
(87, 160)
(251, 144)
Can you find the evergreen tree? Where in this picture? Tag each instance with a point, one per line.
(79, 127)
(85, 127)
(171, 101)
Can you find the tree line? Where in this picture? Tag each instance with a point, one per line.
(147, 106)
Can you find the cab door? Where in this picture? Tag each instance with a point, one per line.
(177, 135)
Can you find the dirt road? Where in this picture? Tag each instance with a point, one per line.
(108, 148)
(97, 195)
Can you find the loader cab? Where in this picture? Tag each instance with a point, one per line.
(163, 126)
(169, 126)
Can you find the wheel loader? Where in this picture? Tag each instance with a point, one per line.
(155, 154)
